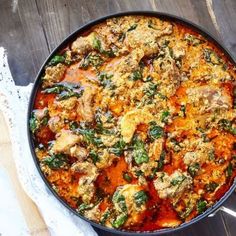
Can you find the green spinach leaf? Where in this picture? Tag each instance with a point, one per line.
(140, 154)
(201, 206)
(55, 161)
(155, 131)
(140, 198)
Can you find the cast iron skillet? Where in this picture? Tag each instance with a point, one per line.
(72, 37)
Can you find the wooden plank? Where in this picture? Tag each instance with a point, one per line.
(55, 20)
(23, 38)
(60, 18)
(34, 221)
(225, 17)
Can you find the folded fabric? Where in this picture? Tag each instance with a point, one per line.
(13, 102)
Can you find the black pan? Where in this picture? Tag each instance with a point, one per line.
(72, 37)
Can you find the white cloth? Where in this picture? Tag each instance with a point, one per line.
(13, 103)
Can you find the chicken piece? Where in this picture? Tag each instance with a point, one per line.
(209, 98)
(53, 74)
(172, 185)
(86, 188)
(55, 124)
(83, 45)
(86, 168)
(129, 192)
(67, 104)
(199, 155)
(170, 86)
(131, 120)
(64, 141)
(105, 159)
(65, 109)
(40, 113)
(85, 107)
(146, 38)
(79, 152)
(193, 157)
(130, 62)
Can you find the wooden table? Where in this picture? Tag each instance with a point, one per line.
(30, 29)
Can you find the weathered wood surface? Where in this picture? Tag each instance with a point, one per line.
(30, 29)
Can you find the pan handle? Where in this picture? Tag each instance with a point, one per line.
(224, 209)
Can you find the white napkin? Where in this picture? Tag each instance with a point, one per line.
(13, 103)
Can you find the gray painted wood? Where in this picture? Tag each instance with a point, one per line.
(31, 29)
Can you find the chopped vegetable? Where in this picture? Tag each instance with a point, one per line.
(140, 198)
(65, 90)
(98, 46)
(151, 90)
(132, 27)
(57, 59)
(164, 116)
(176, 144)
(193, 40)
(120, 200)
(55, 161)
(201, 206)
(99, 124)
(127, 177)
(91, 60)
(211, 155)
(94, 156)
(83, 207)
(227, 125)
(136, 75)
(183, 110)
(105, 81)
(155, 131)
(118, 148)
(193, 169)
(140, 154)
(89, 135)
(122, 37)
(184, 214)
(178, 180)
(105, 216)
(229, 170)
(148, 79)
(211, 57)
(151, 25)
(73, 125)
(35, 123)
(138, 173)
(211, 186)
(161, 160)
(120, 220)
